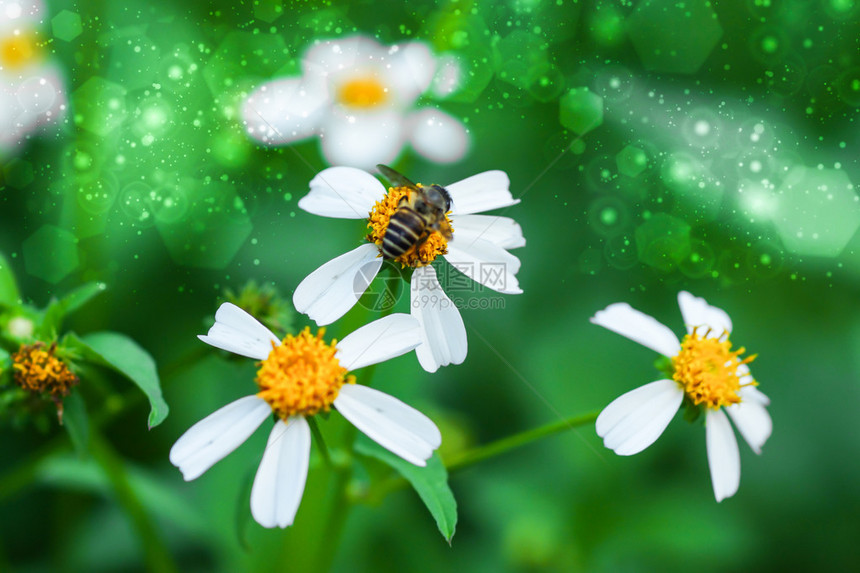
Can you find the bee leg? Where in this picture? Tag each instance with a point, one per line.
(422, 240)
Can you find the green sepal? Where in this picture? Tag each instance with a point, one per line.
(430, 483)
(123, 355)
(664, 365)
(691, 412)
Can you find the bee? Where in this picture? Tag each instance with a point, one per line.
(419, 213)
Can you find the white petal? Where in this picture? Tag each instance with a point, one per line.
(501, 231)
(237, 331)
(343, 192)
(399, 428)
(724, 459)
(330, 58)
(437, 136)
(409, 71)
(443, 333)
(285, 110)
(745, 377)
(634, 420)
(212, 438)
(751, 419)
(41, 96)
(379, 341)
(281, 477)
(751, 393)
(362, 139)
(449, 76)
(20, 13)
(699, 314)
(330, 291)
(481, 192)
(485, 263)
(620, 317)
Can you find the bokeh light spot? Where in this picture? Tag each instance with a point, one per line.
(50, 253)
(631, 161)
(98, 195)
(671, 36)
(581, 110)
(663, 241)
(268, 10)
(700, 262)
(608, 216)
(66, 25)
(99, 105)
(819, 211)
(215, 226)
(18, 173)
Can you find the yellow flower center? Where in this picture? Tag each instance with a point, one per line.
(707, 370)
(377, 222)
(18, 51)
(38, 370)
(362, 92)
(302, 375)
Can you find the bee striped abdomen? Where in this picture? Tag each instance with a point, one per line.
(405, 229)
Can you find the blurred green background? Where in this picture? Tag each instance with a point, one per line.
(657, 146)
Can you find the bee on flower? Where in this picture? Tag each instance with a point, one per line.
(359, 98)
(31, 88)
(475, 245)
(299, 377)
(705, 374)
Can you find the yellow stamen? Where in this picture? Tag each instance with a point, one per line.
(18, 51)
(39, 371)
(377, 222)
(707, 370)
(302, 375)
(362, 92)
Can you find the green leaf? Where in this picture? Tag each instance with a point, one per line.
(76, 422)
(121, 353)
(8, 287)
(81, 295)
(431, 483)
(58, 309)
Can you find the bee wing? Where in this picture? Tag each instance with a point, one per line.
(396, 178)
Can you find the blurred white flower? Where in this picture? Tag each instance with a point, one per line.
(478, 248)
(358, 96)
(706, 373)
(299, 377)
(31, 87)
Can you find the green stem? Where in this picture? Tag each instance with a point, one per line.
(155, 551)
(320, 441)
(486, 451)
(340, 506)
(504, 445)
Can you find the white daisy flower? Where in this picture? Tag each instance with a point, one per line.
(706, 374)
(31, 88)
(299, 377)
(358, 96)
(478, 249)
